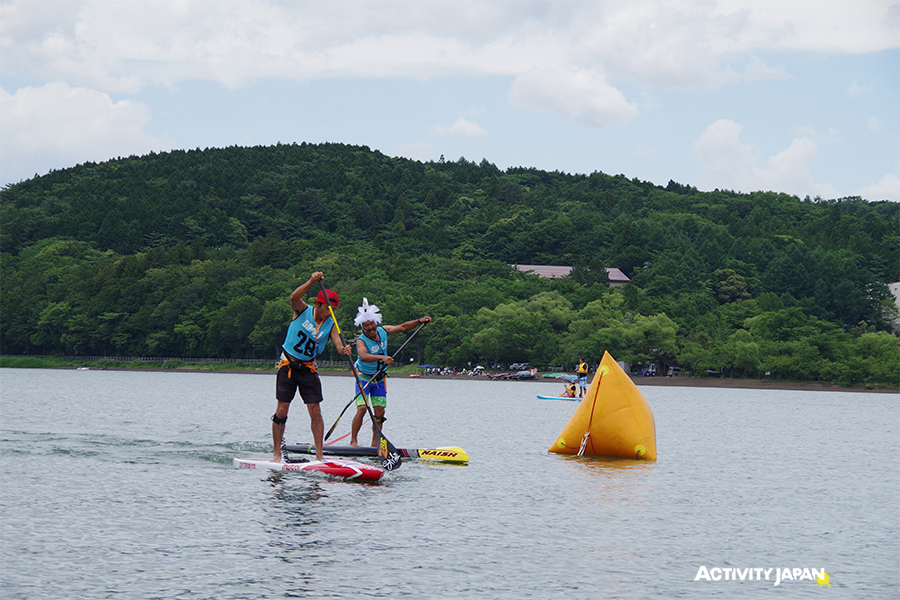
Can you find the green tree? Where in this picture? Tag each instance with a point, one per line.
(741, 354)
(729, 286)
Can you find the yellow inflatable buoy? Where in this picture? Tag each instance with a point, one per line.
(613, 419)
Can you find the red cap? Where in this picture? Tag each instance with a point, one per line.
(335, 300)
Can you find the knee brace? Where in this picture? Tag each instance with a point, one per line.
(278, 421)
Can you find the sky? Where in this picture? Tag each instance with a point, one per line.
(794, 96)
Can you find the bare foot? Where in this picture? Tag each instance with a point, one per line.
(277, 458)
(354, 444)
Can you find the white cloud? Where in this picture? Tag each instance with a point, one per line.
(888, 188)
(874, 125)
(721, 155)
(461, 128)
(122, 46)
(57, 124)
(727, 163)
(843, 27)
(857, 89)
(580, 96)
(677, 44)
(831, 136)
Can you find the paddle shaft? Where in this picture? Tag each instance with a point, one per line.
(381, 370)
(391, 458)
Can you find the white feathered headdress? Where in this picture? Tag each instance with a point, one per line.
(367, 312)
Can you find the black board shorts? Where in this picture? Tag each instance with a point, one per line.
(290, 379)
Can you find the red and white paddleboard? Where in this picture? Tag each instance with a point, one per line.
(342, 469)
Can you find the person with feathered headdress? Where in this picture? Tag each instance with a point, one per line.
(371, 347)
(367, 312)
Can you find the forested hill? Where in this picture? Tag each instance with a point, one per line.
(194, 253)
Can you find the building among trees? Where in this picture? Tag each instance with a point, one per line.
(616, 277)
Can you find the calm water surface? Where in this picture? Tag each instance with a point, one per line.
(120, 485)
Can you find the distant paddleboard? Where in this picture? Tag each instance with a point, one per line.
(341, 469)
(556, 398)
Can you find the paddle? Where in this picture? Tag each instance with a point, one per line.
(391, 459)
(380, 370)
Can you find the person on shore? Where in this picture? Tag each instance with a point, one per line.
(305, 339)
(371, 349)
(582, 370)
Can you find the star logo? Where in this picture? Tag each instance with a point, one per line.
(823, 580)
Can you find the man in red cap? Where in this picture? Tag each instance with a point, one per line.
(306, 338)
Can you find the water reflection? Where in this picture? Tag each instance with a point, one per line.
(293, 516)
(295, 489)
(608, 466)
(609, 480)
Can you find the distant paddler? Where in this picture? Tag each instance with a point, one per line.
(582, 371)
(371, 347)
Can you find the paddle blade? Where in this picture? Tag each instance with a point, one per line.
(391, 458)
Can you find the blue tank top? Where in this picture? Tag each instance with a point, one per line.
(373, 347)
(305, 340)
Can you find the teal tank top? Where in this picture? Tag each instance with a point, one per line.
(304, 340)
(373, 347)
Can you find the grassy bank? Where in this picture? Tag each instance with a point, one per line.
(29, 362)
(57, 362)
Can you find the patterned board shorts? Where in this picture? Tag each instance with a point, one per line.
(375, 391)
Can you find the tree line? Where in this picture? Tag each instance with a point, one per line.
(194, 254)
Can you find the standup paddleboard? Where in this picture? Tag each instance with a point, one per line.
(341, 469)
(556, 398)
(447, 454)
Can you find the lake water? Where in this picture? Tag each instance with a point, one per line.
(120, 485)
